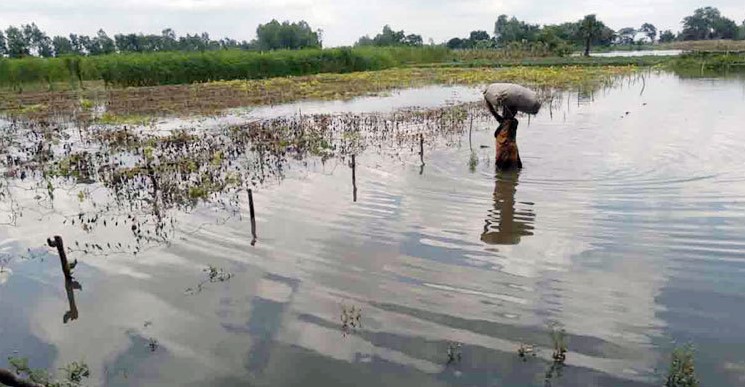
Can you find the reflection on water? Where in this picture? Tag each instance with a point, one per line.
(638, 244)
(506, 224)
(70, 287)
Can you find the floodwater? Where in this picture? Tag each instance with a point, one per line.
(626, 227)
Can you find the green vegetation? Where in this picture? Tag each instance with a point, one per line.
(28, 40)
(181, 67)
(703, 62)
(73, 373)
(682, 371)
(708, 23)
(390, 38)
(134, 105)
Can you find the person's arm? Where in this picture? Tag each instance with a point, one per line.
(494, 112)
(509, 111)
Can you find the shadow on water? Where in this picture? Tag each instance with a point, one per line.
(508, 221)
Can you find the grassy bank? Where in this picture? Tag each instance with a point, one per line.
(214, 96)
(173, 68)
(706, 62)
(169, 68)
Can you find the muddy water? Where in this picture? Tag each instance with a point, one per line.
(626, 227)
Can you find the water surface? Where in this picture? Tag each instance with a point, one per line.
(626, 227)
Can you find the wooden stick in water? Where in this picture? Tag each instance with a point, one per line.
(57, 242)
(354, 179)
(421, 148)
(253, 215)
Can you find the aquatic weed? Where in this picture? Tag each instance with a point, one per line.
(682, 372)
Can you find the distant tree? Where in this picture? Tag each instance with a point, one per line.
(3, 46)
(480, 39)
(168, 40)
(626, 35)
(708, 23)
(90, 46)
(479, 35)
(273, 35)
(590, 29)
(740, 34)
(413, 40)
(649, 30)
(453, 44)
(724, 28)
(389, 37)
(105, 43)
(18, 45)
(513, 30)
(61, 46)
(76, 45)
(38, 42)
(365, 41)
(667, 36)
(127, 43)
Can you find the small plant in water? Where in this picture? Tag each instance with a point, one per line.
(526, 350)
(473, 161)
(454, 354)
(558, 339)
(214, 274)
(682, 371)
(350, 318)
(152, 344)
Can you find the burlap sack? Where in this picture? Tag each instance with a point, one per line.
(514, 96)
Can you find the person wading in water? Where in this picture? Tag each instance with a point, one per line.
(507, 155)
(513, 98)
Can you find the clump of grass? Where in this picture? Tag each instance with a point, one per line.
(559, 343)
(86, 104)
(73, 373)
(350, 318)
(525, 350)
(473, 162)
(214, 274)
(128, 119)
(454, 353)
(682, 372)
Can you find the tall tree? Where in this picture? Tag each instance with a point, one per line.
(105, 43)
(17, 42)
(273, 35)
(513, 30)
(61, 45)
(708, 23)
(650, 30)
(3, 46)
(724, 28)
(39, 43)
(76, 45)
(168, 39)
(590, 28)
(390, 37)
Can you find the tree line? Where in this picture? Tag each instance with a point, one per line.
(509, 32)
(29, 40)
(705, 24)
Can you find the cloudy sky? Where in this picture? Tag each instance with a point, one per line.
(342, 21)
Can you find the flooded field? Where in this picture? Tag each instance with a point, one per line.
(387, 250)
